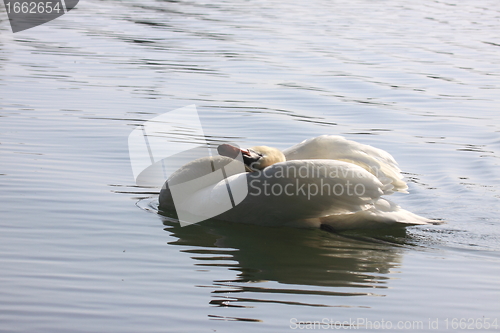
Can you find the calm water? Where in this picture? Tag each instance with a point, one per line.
(83, 250)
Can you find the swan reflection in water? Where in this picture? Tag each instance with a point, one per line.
(276, 262)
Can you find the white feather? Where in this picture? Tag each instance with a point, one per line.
(309, 189)
(377, 161)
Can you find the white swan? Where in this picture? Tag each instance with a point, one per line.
(324, 182)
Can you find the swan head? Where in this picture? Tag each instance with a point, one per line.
(255, 158)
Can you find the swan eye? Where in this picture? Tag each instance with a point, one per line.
(251, 157)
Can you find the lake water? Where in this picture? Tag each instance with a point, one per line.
(82, 249)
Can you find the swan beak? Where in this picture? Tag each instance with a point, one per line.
(231, 151)
(249, 156)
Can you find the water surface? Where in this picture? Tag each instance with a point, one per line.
(83, 249)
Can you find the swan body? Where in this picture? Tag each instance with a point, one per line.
(327, 181)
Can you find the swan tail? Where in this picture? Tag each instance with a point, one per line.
(382, 214)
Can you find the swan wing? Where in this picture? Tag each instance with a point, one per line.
(377, 161)
(299, 190)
